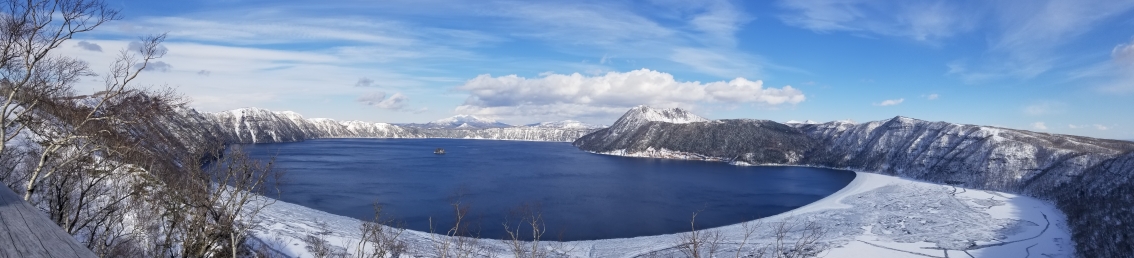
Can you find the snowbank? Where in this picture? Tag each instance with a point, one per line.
(875, 215)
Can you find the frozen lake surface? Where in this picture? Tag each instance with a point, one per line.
(584, 196)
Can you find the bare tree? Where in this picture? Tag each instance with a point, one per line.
(207, 210)
(530, 217)
(699, 243)
(29, 32)
(792, 237)
(458, 241)
(76, 122)
(750, 228)
(796, 238)
(378, 239)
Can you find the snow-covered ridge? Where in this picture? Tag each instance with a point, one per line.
(572, 124)
(465, 122)
(256, 125)
(1087, 178)
(672, 115)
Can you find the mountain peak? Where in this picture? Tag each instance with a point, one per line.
(671, 115)
(466, 121)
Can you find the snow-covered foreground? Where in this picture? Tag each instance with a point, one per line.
(873, 216)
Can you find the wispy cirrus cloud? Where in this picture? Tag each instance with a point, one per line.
(1023, 37)
(890, 102)
(1045, 108)
(917, 20)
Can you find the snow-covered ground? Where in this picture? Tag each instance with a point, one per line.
(873, 216)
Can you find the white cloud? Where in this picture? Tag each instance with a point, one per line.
(89, 46)
(576, 95)
(932, 96)
(1096, 126)
(379, 100)
(157, 66)
(248, 76)
(1039, 126)
(1119, 72)
(890, 102)
(1045, 108)
(364, 82)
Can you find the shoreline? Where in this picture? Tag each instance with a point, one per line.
(291, 222)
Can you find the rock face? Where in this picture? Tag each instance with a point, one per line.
(1088, 178)
(254, 125)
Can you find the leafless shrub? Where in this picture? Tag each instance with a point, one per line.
(796, 238)
(318, 246)
(378, 239)
(458, 241)
(267, 248)
(792, 238)
(207, 210)
(699, 243)
(528, 216)
(750, 228)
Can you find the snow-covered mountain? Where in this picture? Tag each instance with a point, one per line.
(1089, 179)
(255, 125)
(801, 122)
(565, 124)
(461, 122)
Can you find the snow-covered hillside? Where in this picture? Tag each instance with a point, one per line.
(1089, 179)
(254, 125)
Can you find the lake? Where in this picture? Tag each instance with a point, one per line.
(582, 196)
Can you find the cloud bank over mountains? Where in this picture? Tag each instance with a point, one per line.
(580, 95)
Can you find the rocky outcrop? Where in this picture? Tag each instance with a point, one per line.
(1088, 178)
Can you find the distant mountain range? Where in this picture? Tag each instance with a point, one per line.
(1091, 180)
(255, 125)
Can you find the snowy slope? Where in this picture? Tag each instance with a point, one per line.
(1087, 178)
(873, 216)
(254, 125)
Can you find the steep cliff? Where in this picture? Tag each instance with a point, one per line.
(1088, 178)
(254, 125)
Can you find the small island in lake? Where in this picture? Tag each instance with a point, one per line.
(439, 151)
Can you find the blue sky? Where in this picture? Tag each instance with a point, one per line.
(1058, 66)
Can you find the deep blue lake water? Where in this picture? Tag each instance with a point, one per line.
(582, 195)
